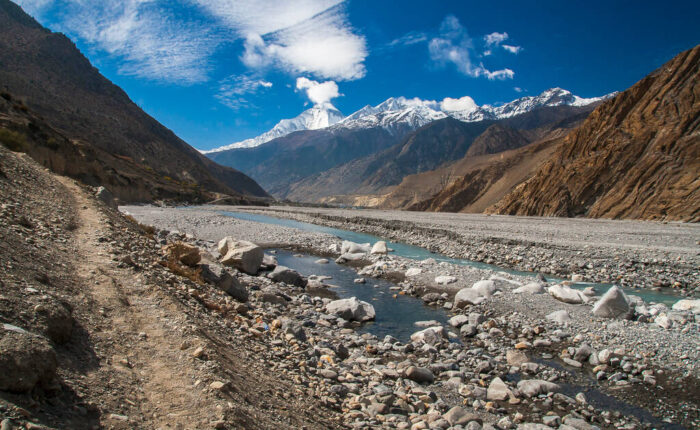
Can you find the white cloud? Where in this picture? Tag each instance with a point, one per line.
(495, 39)
(465, 103)
(306, 36)
(318, 92)
(512, 49)
(232, 90)
(453, 45)
(518, 89)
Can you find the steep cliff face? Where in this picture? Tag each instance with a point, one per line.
(59, 86)
(636, 156)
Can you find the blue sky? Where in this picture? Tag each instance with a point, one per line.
(220, 71)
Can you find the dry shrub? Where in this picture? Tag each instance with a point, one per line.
(147, 230)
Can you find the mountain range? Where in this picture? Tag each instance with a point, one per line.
(377, 146)
(398, 115)
(73, 120)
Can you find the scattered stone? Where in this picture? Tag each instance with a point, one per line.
(379, 248)
(535, 387)
(567, 295)
(288, 276)
(531, 288)
(413, 271)
(420, 374)
(561, 317)
(243, 255)
(498, 390)
(445, 279)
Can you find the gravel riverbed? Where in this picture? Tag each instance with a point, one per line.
(648, 360)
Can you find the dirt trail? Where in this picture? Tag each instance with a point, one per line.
(140, 332)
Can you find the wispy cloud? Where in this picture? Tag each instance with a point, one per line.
(305, 37)
(233, 91)
(495, 40)
(454, 46)
(408, 39)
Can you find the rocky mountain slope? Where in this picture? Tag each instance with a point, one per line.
(369, 181)
(44, 73)
(636, 156)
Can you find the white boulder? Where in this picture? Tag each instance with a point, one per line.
(687, 305)
(241, 254)
(567, 295)
(613, 304)
(413, 271)
(467, 296)
(531, 288)
(561, 317)
(379, 248)
(484, 288)
(445, 279)
(351, 309)
(430, 335)
(354, 248)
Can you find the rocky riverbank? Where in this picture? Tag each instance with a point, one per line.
(634, 254)
(525, 355)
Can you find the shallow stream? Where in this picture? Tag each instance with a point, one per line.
(417, 253)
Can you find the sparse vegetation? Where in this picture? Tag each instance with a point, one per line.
(147, 230)
(13, 140)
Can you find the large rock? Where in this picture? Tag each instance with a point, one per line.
(687, 305)
(485, 288)
(613, 304)
(352, 256)
(351, 309)
(25, 361)
(243, 255)
(288, 276)
(498, 390)
(458, 416)
(531, 288)
(106, 197)
(348, 247)
(467, 296)
(413, 271)
(218, 276)
(379, 248)
(419, 374)
(55, 320)
(189, 254)
(567, 295)
(430, 335)
(535, 387)
(445, 279)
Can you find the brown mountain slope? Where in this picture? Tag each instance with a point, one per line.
(483, 180)
(54, 80)
(497, 138)
(636, 156)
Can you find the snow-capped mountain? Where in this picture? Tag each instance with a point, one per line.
(401, 115)
(319, 116)
(394, 114)
(551, 97)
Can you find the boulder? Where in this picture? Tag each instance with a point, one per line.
(613, 304)
(413, 271)
(185, 253)
(687, 305)
(419, 374)
(216, 275)
(567, 295)
(535, 387)
(269, 262)
(55, 320)
(498, 390)
(430, 335)
(531, 288)
(352, 256)
(288, 276)
(458, 320)
(351, 309)
(379, 248)
(458, 416)
(515, 357)
(104, 195)
(467, 296)
(445, 279)
(485, 288)
(26, 360)
(243, 255)
(348, 247)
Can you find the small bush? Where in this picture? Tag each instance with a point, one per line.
(13, 140)
(147, 230)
